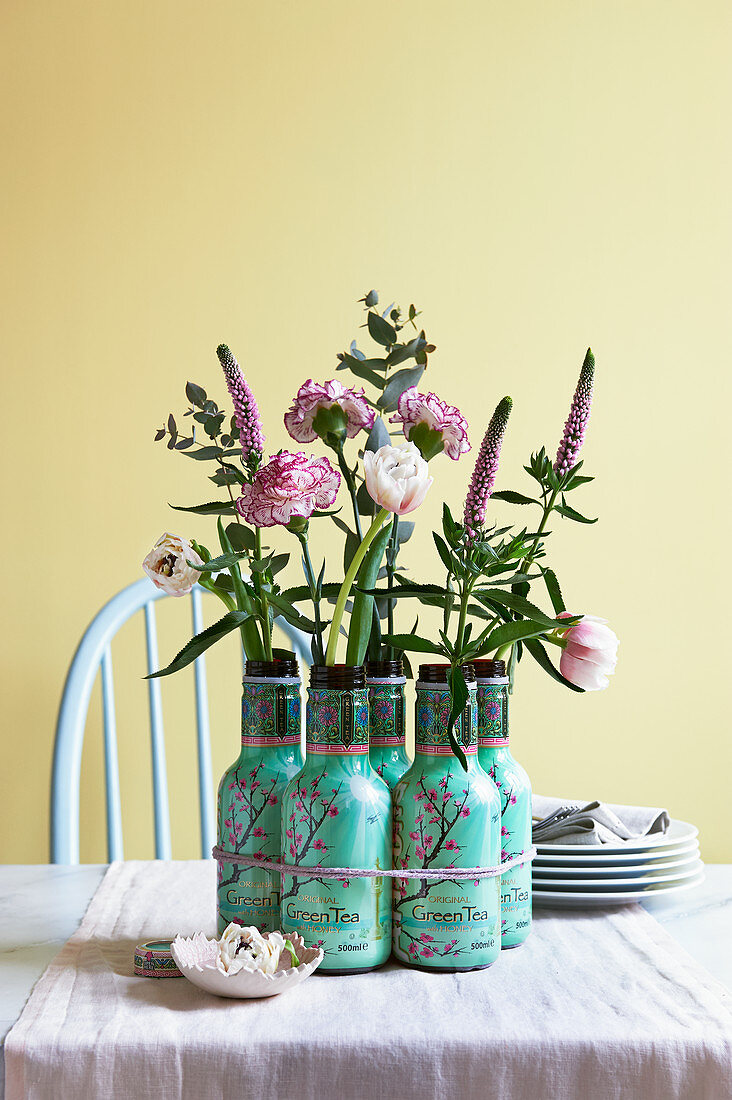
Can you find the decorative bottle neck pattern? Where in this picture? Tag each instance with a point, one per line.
(386, 711)
(433, 718)
(270, 711)
(493, 712)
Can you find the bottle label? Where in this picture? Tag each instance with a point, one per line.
(515, 795)
(337, 721)
(386, 714)
(248, 896)
(270, 713)
(433, 717)
(336, 816)
(446, 819)
(492, 715)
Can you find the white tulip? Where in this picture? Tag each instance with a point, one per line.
(397, 478)
(167, 565)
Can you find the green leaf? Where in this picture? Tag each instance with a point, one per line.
(405, 530)
(412, 643)
(201, 642)
(410, 589)
(363, 369)
(216, 565)
(513, 632)
(444, 553)
(290, 613)
(205, 454)
(225, 477)
(214, 508)
(278, 562)
(381, 331)
(378, 436)
(571, 513)
(540, 655)
(449, 527)
(459, 697)
(364, 502)
(516, 603)
(512, 497)
(301, 592)
(555, 592)
(363, 605)
(397, 384)
(402, 352)
(241, 537)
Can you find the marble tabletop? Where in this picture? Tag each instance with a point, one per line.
(42, 905)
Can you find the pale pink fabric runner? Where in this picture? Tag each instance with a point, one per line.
(598, 1006)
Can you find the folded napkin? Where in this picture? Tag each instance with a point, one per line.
(570, 822)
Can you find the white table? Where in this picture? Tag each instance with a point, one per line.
(41, 906)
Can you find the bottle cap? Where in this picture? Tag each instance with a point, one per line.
(154, 960)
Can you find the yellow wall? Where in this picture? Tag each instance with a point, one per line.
(536, 177)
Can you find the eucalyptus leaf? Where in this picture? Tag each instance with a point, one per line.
(213, 508)
(380, 330)
(241, 536)
(378, 436)
(195, 394)
(397, 384)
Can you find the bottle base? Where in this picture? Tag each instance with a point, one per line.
(443, 969)
(343, 972)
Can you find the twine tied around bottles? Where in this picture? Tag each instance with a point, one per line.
(442, 873)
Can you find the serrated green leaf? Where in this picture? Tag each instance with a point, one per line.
(555, 592)
(411, 642)
(516, 603)
(216, 565)
(540, 655)
(459, 697)
(513, 498)
(571, 513)
(201, 642)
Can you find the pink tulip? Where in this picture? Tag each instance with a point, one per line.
(591, 653)
(397, 478)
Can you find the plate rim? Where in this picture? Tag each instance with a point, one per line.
(618, 899)
(584, 856)
(694, 856)
(641, 845)
(630, 883)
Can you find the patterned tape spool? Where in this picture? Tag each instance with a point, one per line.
(154, 960)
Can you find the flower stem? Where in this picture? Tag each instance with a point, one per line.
(350, 577)
(391, 553)
(351, 484)
(310, 577)
(266, 628)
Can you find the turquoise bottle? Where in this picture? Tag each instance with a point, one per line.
(250, 793)
(446, 818)
(514, 789)
(336, 812)
(385, 681)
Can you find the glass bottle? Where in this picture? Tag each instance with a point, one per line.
(250, 793)
(446, 817)
(385, 681)
(514, 789)
(337, 813)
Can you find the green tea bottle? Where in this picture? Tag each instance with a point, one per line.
(250, 793)
(446, 818)
(385, 681)
(514, 789)
(336, 812)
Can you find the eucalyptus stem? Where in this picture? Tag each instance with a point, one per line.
(347, 585)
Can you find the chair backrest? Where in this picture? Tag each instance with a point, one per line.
(94, 655)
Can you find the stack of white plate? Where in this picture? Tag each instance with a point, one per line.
(576, 876)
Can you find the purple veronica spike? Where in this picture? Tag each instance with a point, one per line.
(486, 468)
(579, 414)
(246, 412)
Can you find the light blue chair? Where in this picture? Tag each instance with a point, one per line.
(94, 652)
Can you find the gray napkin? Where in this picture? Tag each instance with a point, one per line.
(567, 821)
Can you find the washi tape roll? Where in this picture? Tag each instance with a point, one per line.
(154, 960)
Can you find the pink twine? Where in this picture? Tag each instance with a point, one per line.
(359, 872)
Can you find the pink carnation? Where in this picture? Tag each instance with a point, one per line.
(419, 408)
(289, 485)
(313, 396)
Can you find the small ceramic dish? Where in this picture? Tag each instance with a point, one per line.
(196, 956)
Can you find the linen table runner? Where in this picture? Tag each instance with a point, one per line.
(601, 1005)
